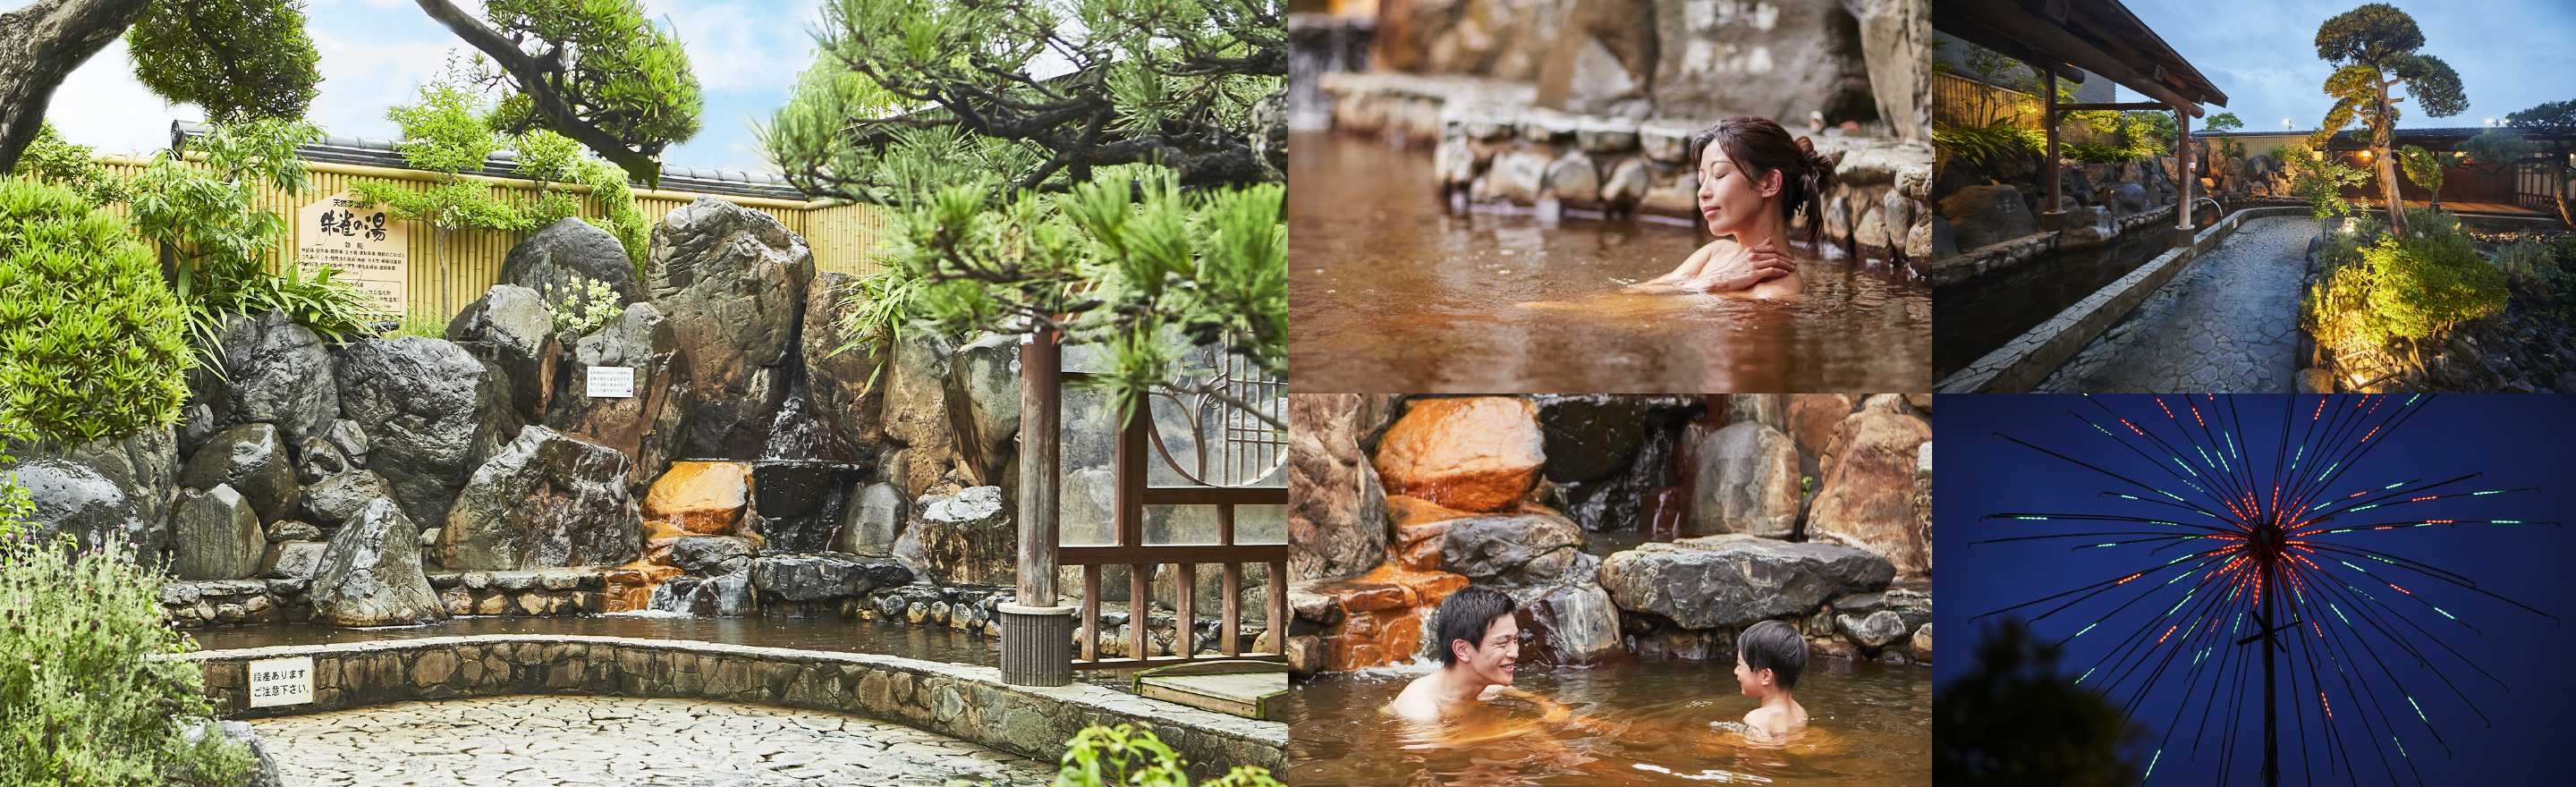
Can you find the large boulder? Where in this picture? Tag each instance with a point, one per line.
(1571, 623)
(336, 499)
(2085, 228)
(548, 500)
(1476, 454)
(511, 327)
(842, 387)
(1336, 509)
(1589, 437)
(732, 281)
(550, 261)
(1514, 549)
(965, 537)
(1867, 497)
(1779, 61)
(817, 577)
(1746, 482)
(1736, 579)
(253, 460)
(419, 401)
(869, 526)
(1986, 215)
(984, 394)
(215, 535)
(1896, 45)
(647, 426)
(370, 574)
(73, 498)
(1812, 418)
(276, 372)
(917, 411)
(701, 497)
(712, 556)
(144, 464)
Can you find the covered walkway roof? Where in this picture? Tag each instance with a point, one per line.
(2100, 36)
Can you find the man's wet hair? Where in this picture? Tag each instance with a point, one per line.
(1774, 646)
(1465, 615)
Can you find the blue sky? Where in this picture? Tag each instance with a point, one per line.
(2516, 441)
(2511, 54)
(376, 53)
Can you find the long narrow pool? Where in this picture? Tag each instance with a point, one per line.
(1981, 315)
(824, 634)
(1390, 292)
(1635, 723)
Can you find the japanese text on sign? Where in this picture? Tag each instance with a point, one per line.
(287, 681)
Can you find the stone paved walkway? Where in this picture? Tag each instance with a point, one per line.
(542, 740)
(2229, 323)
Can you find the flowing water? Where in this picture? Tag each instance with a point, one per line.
(1634, 723)
(1391, 292)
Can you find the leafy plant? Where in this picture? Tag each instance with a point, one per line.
(1128, 756)
(81, 700)
(92, 343)
(424, 323)
(52, 159)
(196, 53)
(2530, 266)
(590, 304)
(443, 135)
(2320, 180)
(1979, 144)
(608, 184)
(2424, 167)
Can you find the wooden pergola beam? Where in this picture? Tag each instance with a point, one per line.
(2087, 40)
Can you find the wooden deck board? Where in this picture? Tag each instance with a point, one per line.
(1242, 694)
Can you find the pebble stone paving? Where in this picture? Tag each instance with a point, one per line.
(2227, 324)
(548, 740)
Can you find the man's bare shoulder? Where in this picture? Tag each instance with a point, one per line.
(1420, 700)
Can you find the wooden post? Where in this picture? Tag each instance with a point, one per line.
(2051, 216)
(2182, 171)
(1041, 405)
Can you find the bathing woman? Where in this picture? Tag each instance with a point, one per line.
(1752, 176)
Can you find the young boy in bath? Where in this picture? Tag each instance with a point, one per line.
(1752, 177)
(1768, 657)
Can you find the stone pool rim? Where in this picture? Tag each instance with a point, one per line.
(2022, 363)
(967, 702)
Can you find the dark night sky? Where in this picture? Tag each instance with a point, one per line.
(2517, 441)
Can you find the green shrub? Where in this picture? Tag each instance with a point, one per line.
(590, 304)
(2430, 223)
(2422, 285)
(421, 321)
(80, 704)
(1978, 144)
(92, 343)
(2529, 266)
(1125, 756)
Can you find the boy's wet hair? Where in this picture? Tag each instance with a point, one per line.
(1465, 615)
(1774, 646)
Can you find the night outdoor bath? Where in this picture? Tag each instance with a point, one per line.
(1599, 204)
(1589, 590)
(461, 451)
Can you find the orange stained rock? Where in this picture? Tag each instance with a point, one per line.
(630, 587)
(700, 497)
(1428, 587)
(1418, 546)
(1474, 454)
(1406, 510)
(1377, 638)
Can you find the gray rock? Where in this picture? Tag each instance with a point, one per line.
(1912, 608)
(351, 440)
(1454, 162)
(315, 460)
(292, 560)
(546, 500)
(253, 461)
(196, 423)
(419, 401)
(732, 281)
(280, 373)
(215, 535)
(814, 577)
(1875, 631)
(711, 555)
(1514, 549)
(1572, 178)
(512, 328)
(291, 530)
(1782, 63)
(1921, 643)
(875, 512)
(370, 574)
(916, 411)
(1736, 580)
(334, 500)
(843, 388)
(1746, 482)
(647, 426)
(2084, 228)
(1985, 215)
(1517, 176)
(2130, 198)
(72, 498)
(1630, 179)
(145, 465)
(1336, 507)
(985, 376)
(1573, 623)
(731, 595)
(965, 537)
(550, 260)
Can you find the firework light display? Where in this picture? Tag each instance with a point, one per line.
(2206, 553)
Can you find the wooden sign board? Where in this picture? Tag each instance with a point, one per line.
(287, 681)
(368, 247)
(611, 382)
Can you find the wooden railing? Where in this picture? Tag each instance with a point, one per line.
(1142, 560)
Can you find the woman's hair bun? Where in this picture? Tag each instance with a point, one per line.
(1807, 152)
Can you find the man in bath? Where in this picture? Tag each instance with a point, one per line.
(1478, 643)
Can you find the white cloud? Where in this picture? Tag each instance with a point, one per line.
(101, 105)
(744, 46)
(361, 77)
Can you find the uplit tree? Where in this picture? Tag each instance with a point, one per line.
(2374, 49)
(2424, 167)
